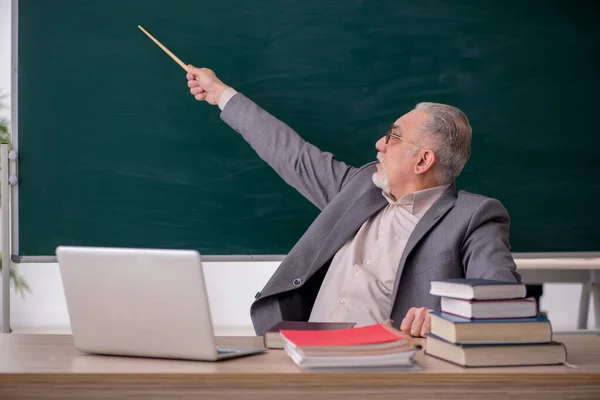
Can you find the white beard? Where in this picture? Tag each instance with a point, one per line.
(380, 178)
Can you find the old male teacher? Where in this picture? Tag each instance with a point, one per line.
(386, 229)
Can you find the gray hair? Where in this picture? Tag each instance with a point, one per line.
(451, 133)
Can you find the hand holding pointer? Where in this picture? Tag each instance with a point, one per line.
(205, 85)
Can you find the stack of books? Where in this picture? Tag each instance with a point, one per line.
(372, 346)
(485, 323)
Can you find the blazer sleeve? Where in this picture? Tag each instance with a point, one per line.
(486, 248)
(316, 174)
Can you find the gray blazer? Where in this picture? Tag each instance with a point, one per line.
(464, 235)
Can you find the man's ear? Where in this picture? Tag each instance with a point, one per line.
(425, 162)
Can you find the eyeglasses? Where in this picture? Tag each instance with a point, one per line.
(389, 135)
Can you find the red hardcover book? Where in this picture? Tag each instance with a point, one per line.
(365, 335)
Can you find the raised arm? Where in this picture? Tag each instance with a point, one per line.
(316, 174)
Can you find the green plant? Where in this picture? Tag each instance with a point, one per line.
(4, 132)
(19, 283)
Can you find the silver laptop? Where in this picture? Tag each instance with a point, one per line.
(140, 302)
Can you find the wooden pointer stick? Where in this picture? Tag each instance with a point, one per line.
(173, 56)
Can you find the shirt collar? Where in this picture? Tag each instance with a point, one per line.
(417, 203)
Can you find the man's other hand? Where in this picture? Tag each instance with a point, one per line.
(417, 322)
(205, 85)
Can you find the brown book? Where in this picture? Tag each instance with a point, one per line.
(273, 340)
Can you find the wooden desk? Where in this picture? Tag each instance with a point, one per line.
(547, 268)
(48, 366)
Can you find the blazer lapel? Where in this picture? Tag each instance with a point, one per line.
(346, 225)
(427, 222)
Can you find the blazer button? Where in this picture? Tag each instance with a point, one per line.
(297, 282)
(257, 295)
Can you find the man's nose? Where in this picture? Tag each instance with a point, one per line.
(380, 145)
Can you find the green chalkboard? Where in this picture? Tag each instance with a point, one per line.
(114, 151)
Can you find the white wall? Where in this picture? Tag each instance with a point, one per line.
(231, 286)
